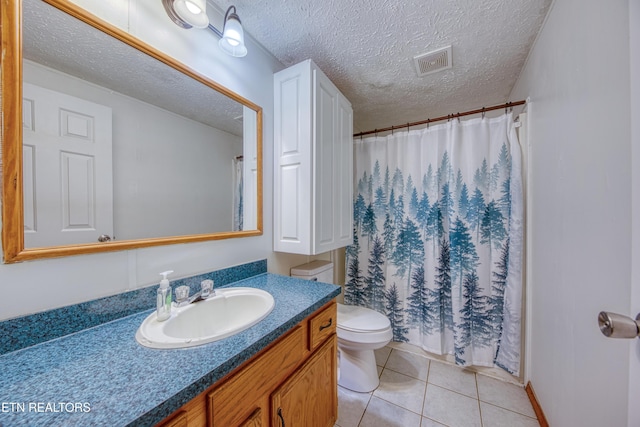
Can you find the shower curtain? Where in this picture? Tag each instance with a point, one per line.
(438, 238)
(238, 202)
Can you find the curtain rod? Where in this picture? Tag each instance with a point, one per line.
(438, 119)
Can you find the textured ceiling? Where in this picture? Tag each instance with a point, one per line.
(366, 47)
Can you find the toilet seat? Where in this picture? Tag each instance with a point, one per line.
(360, 319)
(360, 325)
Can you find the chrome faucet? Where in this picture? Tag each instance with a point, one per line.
(183, 298)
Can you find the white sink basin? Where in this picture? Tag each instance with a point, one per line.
(230, 311)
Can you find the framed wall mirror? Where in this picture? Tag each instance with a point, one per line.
(109, 144)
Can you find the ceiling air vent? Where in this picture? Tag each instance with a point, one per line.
(434, 61)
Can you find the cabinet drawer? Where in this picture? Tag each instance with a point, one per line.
(234, 400)
(322, 326)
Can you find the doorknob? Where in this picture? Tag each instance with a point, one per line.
(104, 238)
(615, 325)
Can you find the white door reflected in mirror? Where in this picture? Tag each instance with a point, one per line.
(67, 171)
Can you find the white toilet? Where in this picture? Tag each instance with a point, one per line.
(360, 331)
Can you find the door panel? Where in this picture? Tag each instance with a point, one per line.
(67, 161)
(634, 359)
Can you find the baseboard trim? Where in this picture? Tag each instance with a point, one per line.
(536, 405)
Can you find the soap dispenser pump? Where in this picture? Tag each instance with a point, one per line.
(163, 302)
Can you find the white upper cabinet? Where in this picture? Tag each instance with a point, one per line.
(313, 141)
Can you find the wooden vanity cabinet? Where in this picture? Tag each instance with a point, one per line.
(294, 379)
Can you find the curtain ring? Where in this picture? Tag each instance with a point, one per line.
(391, 130)
(458, 117)
(483, 112)
(376, 131)
(428, 121)
(407, 126)
(508, 107)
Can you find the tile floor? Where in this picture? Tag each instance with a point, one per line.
(415, 391)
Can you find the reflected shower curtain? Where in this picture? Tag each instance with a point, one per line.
(438, 238)
(238, 202)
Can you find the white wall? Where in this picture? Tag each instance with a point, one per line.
(578, 79)
(172, 175)
(58, 282)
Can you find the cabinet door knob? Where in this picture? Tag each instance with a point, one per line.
(281, 417)
(328, 325)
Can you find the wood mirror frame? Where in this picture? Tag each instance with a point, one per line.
(11, 139)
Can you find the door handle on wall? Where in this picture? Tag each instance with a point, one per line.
(615, 325)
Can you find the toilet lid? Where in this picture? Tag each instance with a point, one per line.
(361, 319)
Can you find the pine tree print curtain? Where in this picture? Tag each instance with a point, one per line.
(438, 238)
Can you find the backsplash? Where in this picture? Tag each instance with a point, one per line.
(33, 329)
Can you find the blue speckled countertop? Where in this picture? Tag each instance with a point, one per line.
(105, 370)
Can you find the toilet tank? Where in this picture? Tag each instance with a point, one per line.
(321, 271)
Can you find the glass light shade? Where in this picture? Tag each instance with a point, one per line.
(193, 12)
(232, 41)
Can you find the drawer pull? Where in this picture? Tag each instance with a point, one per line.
(328, 325)
(281, 417)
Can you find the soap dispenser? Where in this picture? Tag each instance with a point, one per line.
(164, 298)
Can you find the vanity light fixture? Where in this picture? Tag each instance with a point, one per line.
(193, 14)
(232, 41)
(187, 13)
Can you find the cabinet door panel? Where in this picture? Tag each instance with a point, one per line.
(344, 174)
(255, 420)
(310, 397)
(291, 225)
(234, 400)
(178, 420)
(326, 99)
(292, 146)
